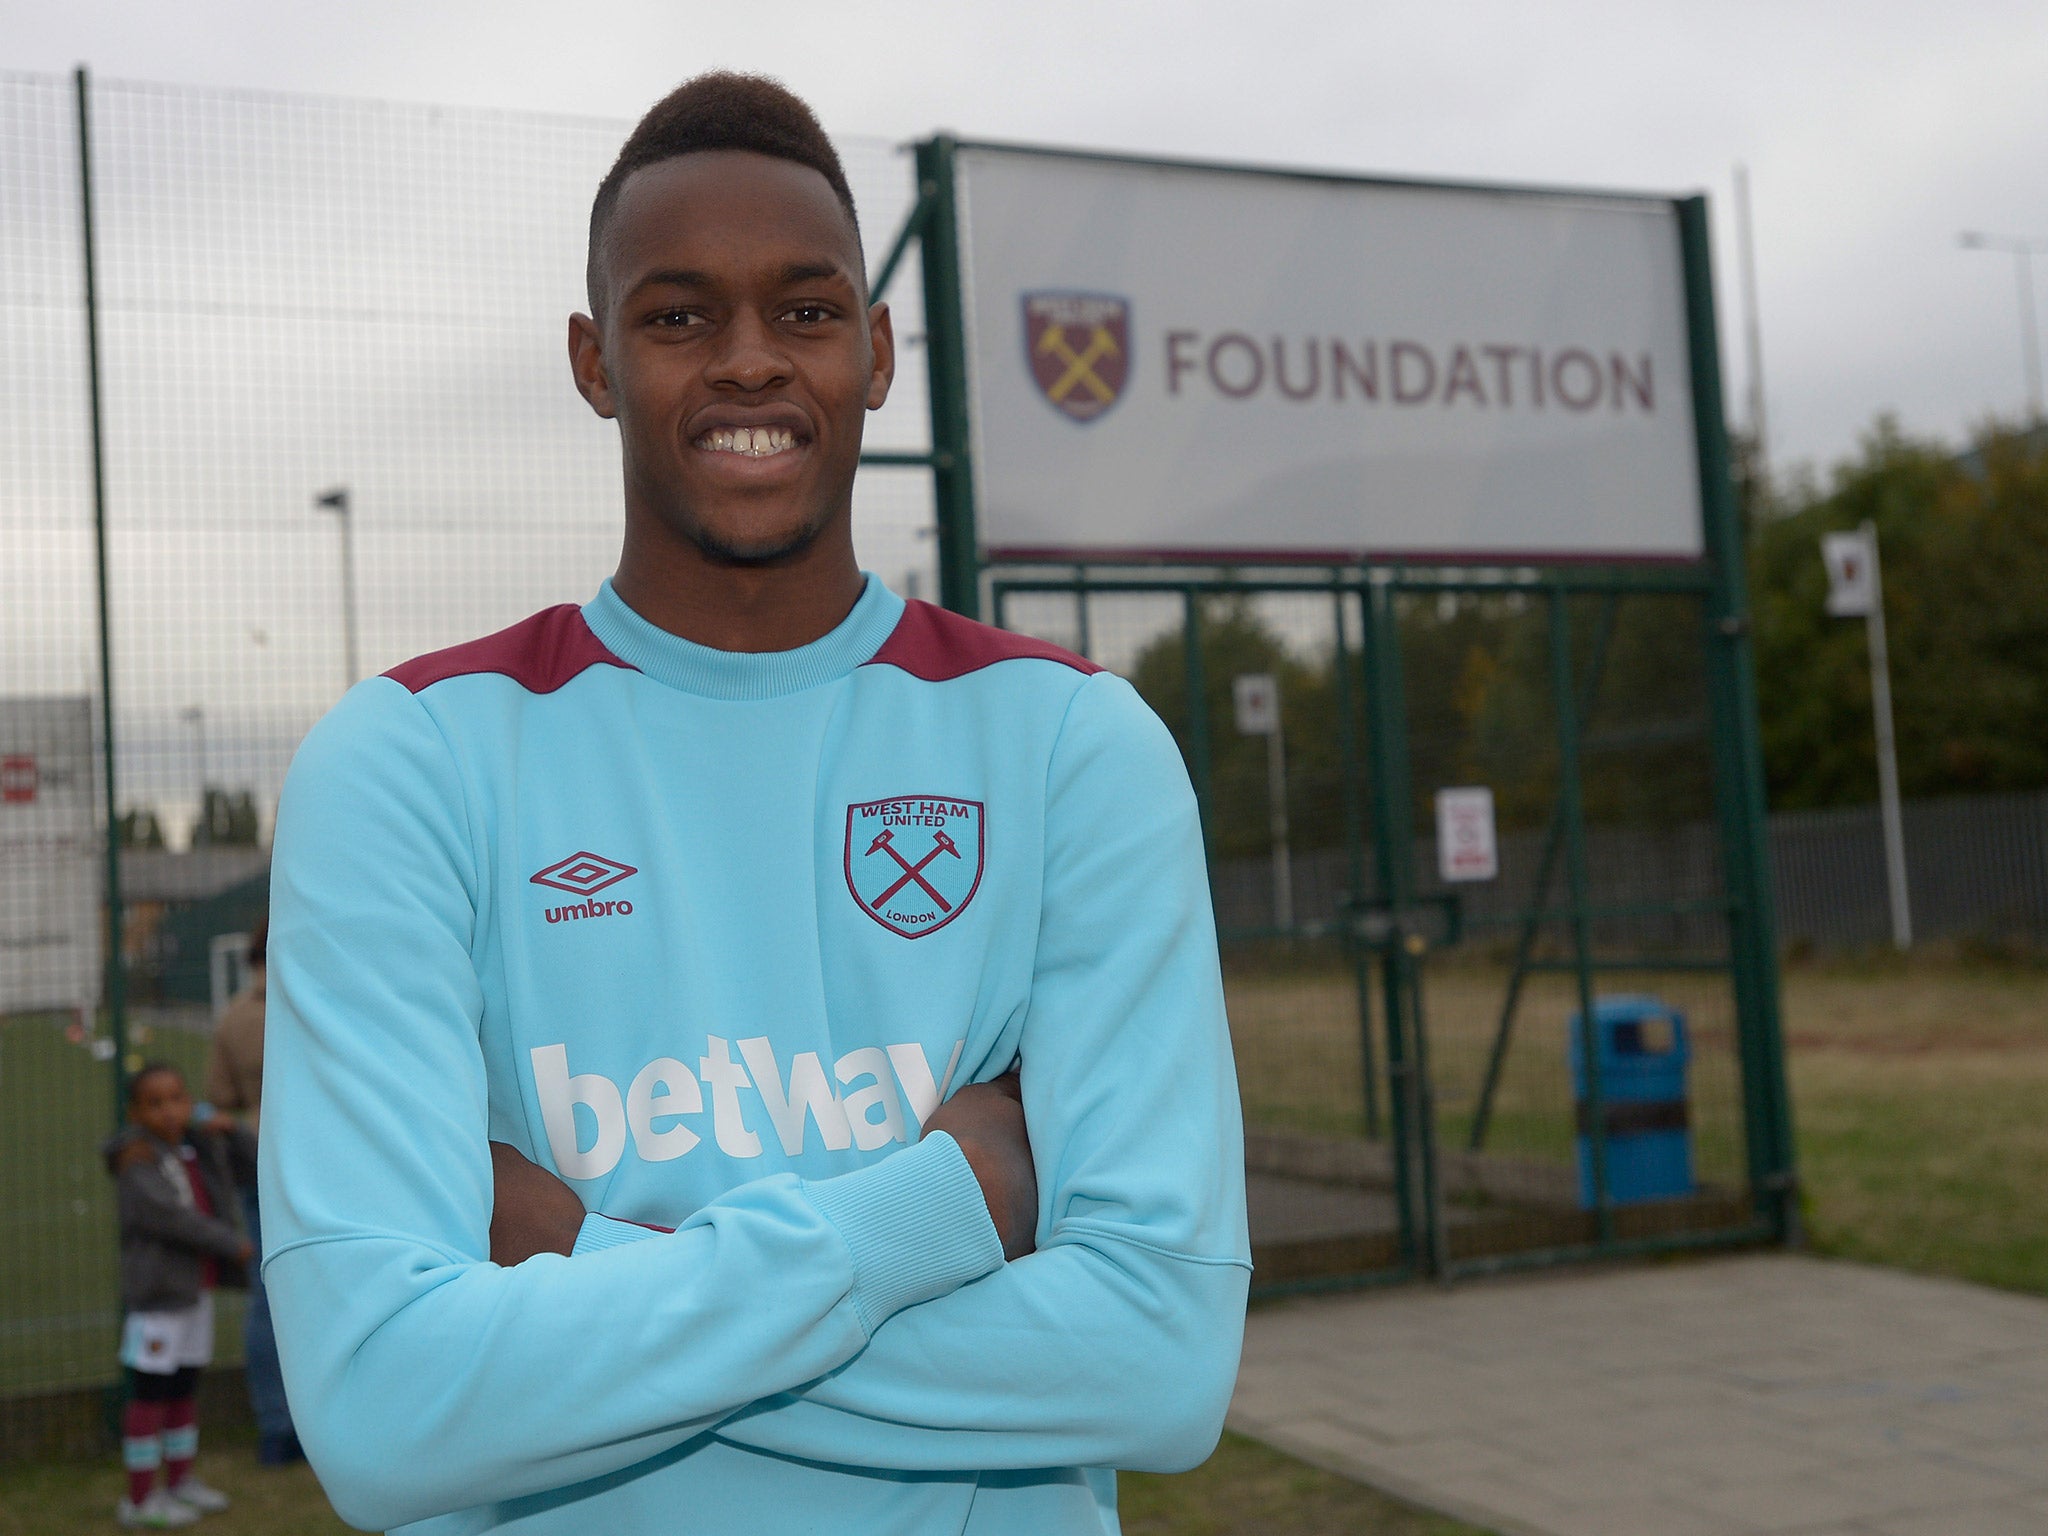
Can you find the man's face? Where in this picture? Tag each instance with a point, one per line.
(736, 352)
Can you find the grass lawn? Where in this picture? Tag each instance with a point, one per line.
(1920, 1096)
(67, 1497)
(1918, 1088)
(1243, 1490)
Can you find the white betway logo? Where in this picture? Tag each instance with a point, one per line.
(665, 1091)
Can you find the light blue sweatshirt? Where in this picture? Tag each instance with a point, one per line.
(711, 934)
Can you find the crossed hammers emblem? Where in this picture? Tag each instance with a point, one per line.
(1080, 365)
(885, 842)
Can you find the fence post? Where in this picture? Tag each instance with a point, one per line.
(1572, 812)
(946, 369)
(1408, 1095)
(1354, 847)
(117, 979)
(1197, 686)
(1738, 764)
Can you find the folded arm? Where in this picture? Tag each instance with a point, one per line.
(1116, 1343)
(423, 1377)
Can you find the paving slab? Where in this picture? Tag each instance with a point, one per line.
(1733, 1396)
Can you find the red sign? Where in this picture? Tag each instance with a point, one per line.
(18, 778)
(1078, 346)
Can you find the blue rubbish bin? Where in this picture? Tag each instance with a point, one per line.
(1643, 1053)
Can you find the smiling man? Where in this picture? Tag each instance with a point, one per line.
(662, 988)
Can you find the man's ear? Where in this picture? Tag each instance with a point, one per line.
(586, 364)
(882, 337)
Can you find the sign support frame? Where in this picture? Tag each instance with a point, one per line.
(969, 576)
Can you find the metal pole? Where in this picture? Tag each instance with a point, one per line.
(195, 716)
(117, 979)
(1198, 710)
(337, 502)
(1752, 328)
(1413, 1137)
(2023, 270)
(2023, 253)
(1276, 794)
(1354, 845)
(348, 592)
(1887, 755)
(1738, 762)
(1083, 641)
(946, 371)
(1593, 1108)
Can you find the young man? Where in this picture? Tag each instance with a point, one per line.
(708, 896)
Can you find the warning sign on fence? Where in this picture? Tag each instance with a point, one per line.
(1466, 848)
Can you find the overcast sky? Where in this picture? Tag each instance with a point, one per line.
(1874, 131)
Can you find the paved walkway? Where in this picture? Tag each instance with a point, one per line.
(1719, 1397)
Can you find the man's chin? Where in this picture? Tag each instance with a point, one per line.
(756, 548)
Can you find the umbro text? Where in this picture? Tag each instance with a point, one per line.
(581, 909)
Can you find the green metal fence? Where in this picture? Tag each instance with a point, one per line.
(1413, 1091)
(297, 410)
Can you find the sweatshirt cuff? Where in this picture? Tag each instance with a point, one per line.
(915, 1223)
(601, 1232)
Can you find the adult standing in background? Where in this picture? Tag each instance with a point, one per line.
(234, 1086)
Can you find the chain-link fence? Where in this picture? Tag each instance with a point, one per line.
(1416, 1089)
(338, 430)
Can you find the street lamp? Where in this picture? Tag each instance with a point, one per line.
(336, 501)
(2022, 252)
(195, 716)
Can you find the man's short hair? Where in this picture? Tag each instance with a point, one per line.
(720, 110)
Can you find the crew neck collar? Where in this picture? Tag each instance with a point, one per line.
(701, 669)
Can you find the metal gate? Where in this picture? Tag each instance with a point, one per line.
(1419, 1099)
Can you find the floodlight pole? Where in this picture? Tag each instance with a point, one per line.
(1752, 329)
(117, 927)
(194, 715)
(337, 502)
(2023, 253)
(1887, 754)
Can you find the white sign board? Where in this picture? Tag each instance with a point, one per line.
(1256, 699)
(1466, 848)
(1852, 573)
(50, 852)
(1226, 364)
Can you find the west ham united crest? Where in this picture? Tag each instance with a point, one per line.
(913, 862)
(1078, 347)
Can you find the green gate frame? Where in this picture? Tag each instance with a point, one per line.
(1390, 932)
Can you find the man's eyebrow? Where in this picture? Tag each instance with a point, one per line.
(812, 271)
(690, 277)
(674, 277)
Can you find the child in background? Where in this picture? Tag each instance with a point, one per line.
(180, 1236)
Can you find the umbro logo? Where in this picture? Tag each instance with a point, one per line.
(585, 874)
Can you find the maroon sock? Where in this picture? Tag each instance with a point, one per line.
(141, 1450)
(181, 1439)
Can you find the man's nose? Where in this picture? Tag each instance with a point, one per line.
(751, 358)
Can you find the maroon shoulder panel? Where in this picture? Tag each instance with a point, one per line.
(935, 644)
(540, 654)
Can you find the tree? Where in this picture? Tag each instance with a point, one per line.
(226, 819)
(1964, 545)
(138, 827)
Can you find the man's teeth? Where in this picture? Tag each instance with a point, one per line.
(755, 442)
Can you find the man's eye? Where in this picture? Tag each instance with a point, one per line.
(810, 314)
(672, 317)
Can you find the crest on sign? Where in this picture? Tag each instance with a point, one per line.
(1078, 348)
(913, 862)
